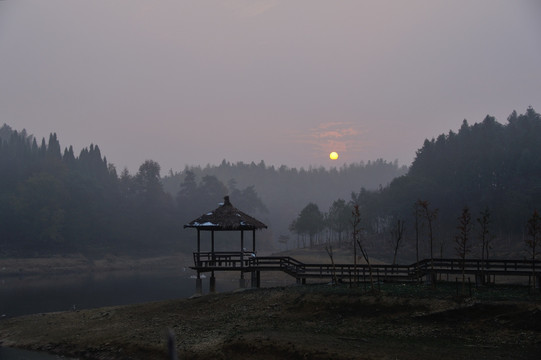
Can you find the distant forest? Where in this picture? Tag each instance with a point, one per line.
(488, 171)
(282, 192)
(54, 202)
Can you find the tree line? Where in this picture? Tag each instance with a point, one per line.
(481, 182)
(284, 190)
(53, 202)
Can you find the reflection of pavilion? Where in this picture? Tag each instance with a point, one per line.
(225, 218)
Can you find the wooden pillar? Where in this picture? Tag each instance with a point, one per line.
(212, 283)
(253, 241)
(198, 284)
(198, 281)
(212, 280)
(242, 282)
(242, 241)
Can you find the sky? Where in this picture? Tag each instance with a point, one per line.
(284, 81)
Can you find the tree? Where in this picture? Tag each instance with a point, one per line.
(330, 252)
(462, 239)
(39, 206)
(148, 178)
(210, 190)
(429, 216)
(534, 241)
(310, 221)
(338, 218)
(397, 234)
(485, 237)
(247, 199)
(417, 213)
(356, 214)
(294, 229)
(484, 233)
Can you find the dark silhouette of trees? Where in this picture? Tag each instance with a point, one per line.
(53, 202)
(429, 215)
(357, 241)
(285, 191)
(417, 214)
(462, 240)
(397, 235)
(484, 233)
(310, 222)
(534, 242)
(485, 236)
(338, 218)
(486, 165)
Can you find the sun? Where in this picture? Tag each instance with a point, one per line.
(333, 155)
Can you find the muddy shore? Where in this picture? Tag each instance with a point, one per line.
(295, 322)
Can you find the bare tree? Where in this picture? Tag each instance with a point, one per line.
(417, 213)
(462, 239)
(397, 234)
(534, 241)
(429, 215)
(329, 250)
(484, 233)
(486, 238)
(357, 240)
(355, 223)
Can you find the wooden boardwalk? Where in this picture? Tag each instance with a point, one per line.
(425, 269)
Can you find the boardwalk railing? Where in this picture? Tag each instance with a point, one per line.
(248, 262)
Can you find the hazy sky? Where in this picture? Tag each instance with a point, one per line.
(284, 81)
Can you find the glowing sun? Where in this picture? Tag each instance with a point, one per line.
(333, 155)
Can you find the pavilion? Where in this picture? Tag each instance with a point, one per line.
(224, 218)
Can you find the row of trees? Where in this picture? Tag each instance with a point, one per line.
(53, 202)
(346, 217)
(284, 190)
(490, 168)
(311, 222)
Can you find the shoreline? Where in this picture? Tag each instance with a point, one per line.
(74, 264)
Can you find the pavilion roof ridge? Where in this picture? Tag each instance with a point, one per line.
(226, 217)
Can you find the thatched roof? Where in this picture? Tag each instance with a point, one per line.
(226, 217)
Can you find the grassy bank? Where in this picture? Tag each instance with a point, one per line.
(298, 322)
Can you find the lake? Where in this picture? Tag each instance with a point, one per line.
(30, 295)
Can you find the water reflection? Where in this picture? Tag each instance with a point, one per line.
(16, 354)
(28, 295)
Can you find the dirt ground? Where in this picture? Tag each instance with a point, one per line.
(294, 322)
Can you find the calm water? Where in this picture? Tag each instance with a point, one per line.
(16, 354)
(20, 296)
